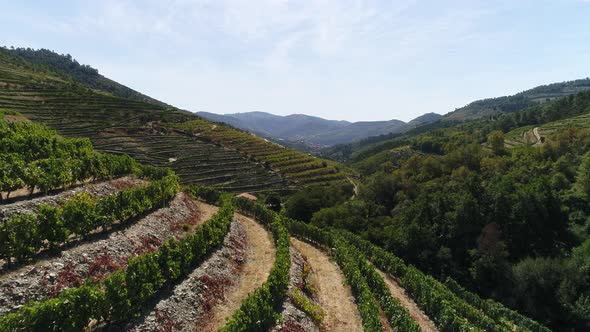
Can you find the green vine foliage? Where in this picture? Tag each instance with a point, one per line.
(397, 315)
(314, 311)
(365, 301)
(23, 235)
(121, 296)
(33, 156)
(448, 311)
(495, 310)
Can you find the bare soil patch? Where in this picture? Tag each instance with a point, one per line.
(399, 293)
(259, 259)
(97, 259)
(334, 295)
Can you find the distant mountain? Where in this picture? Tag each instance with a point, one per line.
(290, 127)
(519, 101)
(311, 130)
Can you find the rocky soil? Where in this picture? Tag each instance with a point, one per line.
(188, 305)
(259, 259)
(292, 317)
(98, 258)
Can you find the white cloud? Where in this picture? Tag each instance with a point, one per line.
(276, 55)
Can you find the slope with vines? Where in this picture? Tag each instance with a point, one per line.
(228, 158)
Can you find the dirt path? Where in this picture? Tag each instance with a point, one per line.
(26, 192)
(537, 136)
(100, 257)
(355, 190)
(260, 257)
(334, 296)
(96, 189)
(399, 293)
(191, 301)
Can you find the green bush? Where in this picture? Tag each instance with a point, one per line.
(70, 311)
(21, 234)
(316, 312)
(33, 156)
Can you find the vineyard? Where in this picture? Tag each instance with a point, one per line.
(101, 242)
(537, 135)
(210, 154)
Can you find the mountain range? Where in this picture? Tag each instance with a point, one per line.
(314, 131)
(305, 131)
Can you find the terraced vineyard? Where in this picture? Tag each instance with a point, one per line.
(136, 253)
(224, 158)
(98, 241)
(295, 165)
(183, 283)
(536, 135)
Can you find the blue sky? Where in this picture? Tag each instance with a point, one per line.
(338, 59)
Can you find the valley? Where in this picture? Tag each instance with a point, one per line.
(125, 214)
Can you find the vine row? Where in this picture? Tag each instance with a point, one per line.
(260, 309)
(24, 235)
(121, 296)
(448, 311)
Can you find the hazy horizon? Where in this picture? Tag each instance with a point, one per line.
(339, 60)
(334, 119)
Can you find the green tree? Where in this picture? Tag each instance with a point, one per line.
(273, 202)
(496, 141)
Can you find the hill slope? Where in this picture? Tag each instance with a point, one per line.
(153, 257)
(469, 198)
(313, 131)
(84, 74)
(137, 128)
(519, 101)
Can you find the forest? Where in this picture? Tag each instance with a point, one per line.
(511, 224)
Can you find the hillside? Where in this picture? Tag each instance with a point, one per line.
(519, 101)
(493, 108)
(84, 74)
(102, 242)
(498, 204)
(313, 132)
(141, 130)
(291, 127)
(132, 250)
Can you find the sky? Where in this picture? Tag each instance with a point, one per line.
(350, 60)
